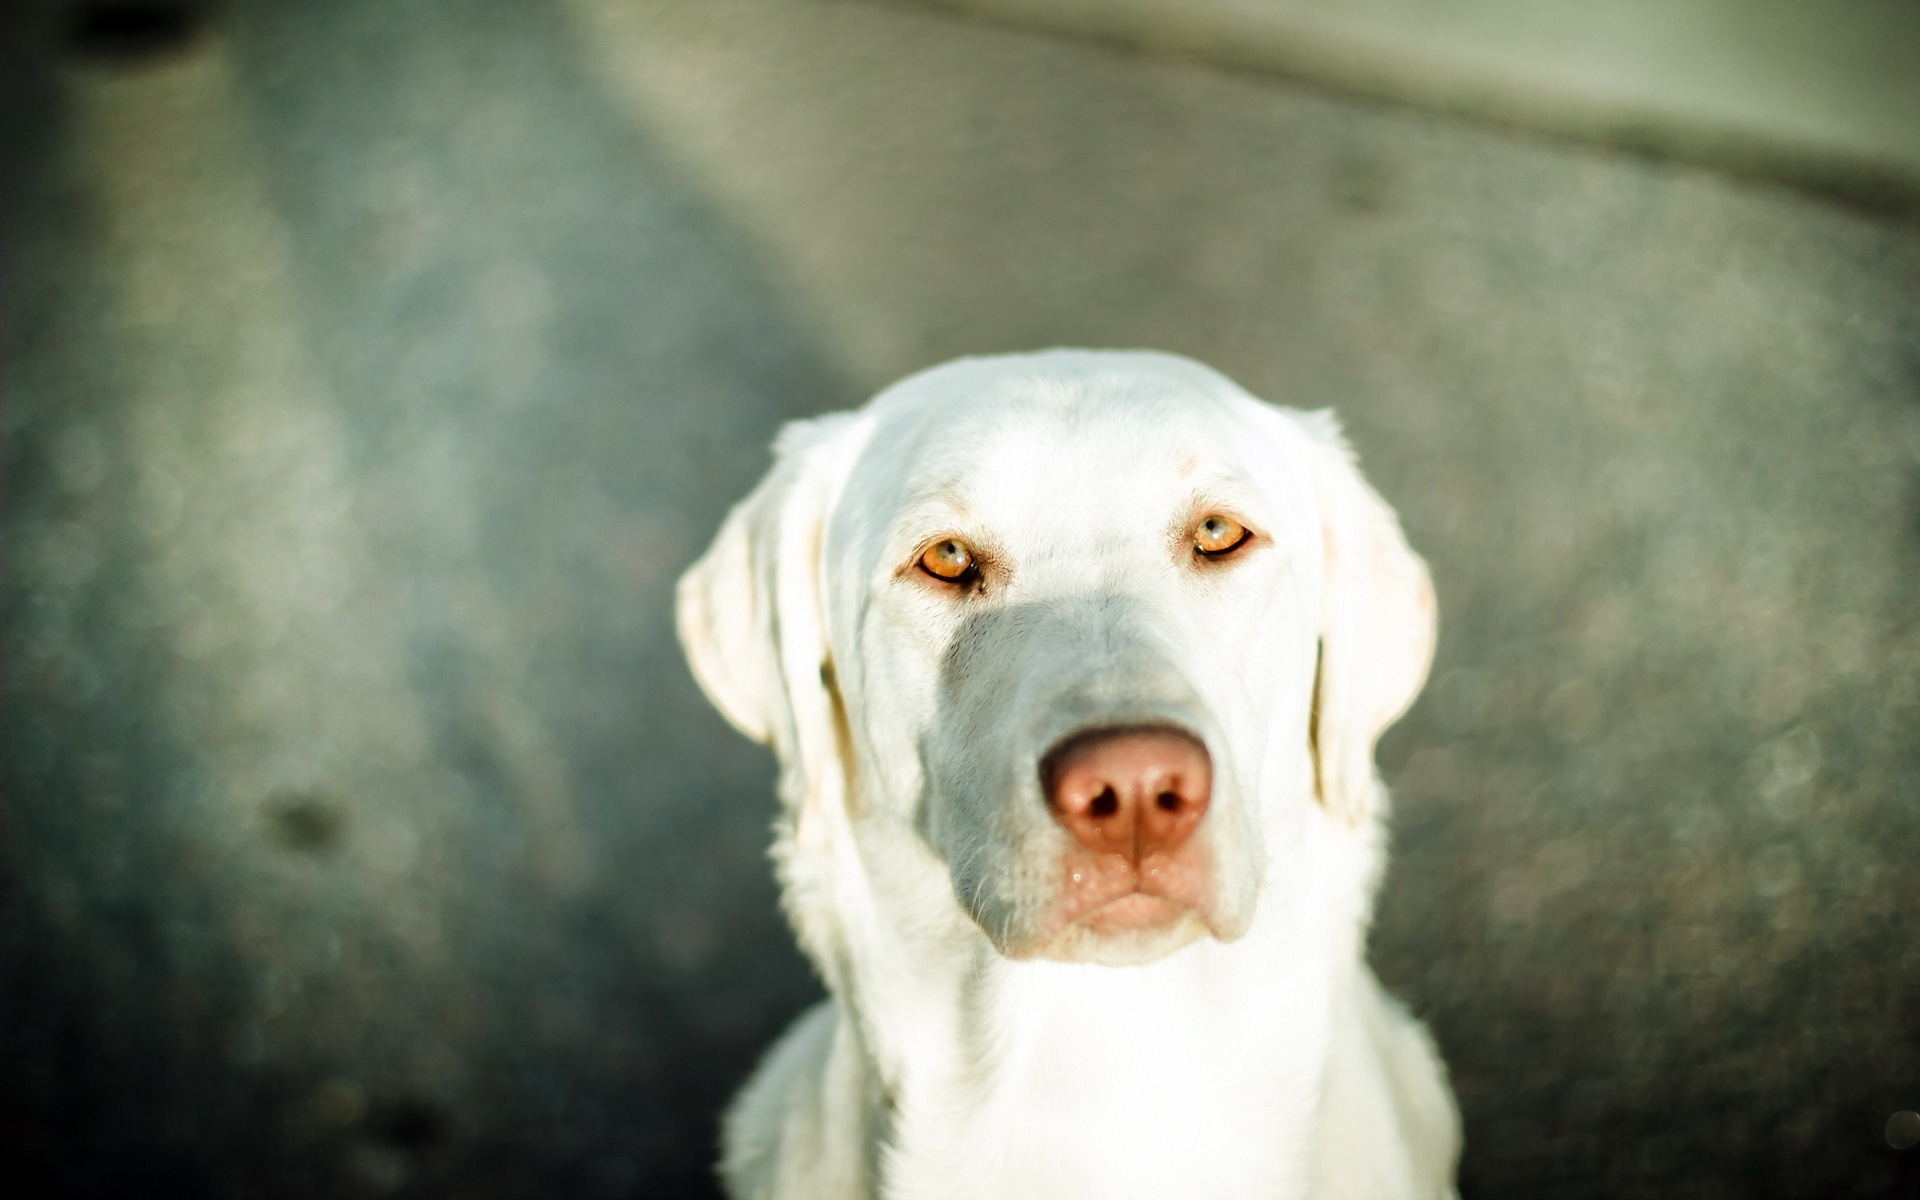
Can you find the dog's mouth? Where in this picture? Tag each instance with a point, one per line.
(1109, 911)
(1134, 911)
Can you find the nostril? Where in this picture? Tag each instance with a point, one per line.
(1168, 802)
(1105, 804)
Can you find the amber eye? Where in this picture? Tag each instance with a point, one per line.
(1216, 534)
(950, 560)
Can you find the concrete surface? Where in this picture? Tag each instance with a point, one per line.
(370, 369)
(1822, 95)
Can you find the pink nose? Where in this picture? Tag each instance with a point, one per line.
(1135, 792)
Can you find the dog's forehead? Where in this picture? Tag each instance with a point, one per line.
(1088, 433)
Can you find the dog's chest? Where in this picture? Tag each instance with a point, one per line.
(1091, 1082)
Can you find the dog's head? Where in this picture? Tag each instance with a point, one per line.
(1101, 630)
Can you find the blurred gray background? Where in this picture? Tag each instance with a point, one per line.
(370, 368)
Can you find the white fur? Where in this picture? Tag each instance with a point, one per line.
(1261, 1059)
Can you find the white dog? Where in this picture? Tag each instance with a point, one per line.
(1074, 663)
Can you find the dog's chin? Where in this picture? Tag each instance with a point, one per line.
(1134, 930)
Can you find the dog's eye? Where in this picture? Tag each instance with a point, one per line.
(950, 560)
(1216, 535)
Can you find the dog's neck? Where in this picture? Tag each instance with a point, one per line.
(1071, 1079)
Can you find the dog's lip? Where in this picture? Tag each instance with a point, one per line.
(1107, 893)
(1137, 909)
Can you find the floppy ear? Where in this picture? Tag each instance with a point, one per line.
(750, 612)
(724, 607)
(1377, 624)
(752, 619)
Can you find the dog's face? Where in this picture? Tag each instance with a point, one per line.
(1081, 625)
(1022, 566)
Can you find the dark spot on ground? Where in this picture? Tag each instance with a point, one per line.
(134, 32)
(412, 1124)
(306, 821)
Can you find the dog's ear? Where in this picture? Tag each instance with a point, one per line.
(1377, 624)
(724, 611)
(751, 611)
(752, 617)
